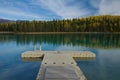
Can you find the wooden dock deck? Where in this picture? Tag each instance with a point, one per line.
(59, 65)
(74, 54)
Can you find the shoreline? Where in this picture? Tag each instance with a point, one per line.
(59, 32)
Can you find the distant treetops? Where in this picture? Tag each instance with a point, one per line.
(105, 23)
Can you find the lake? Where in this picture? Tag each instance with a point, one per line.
(106, 66)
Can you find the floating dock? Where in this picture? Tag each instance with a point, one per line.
(59, 65)
(32, 54)
(74, 54)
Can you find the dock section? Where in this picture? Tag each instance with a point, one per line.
(32, 54)
(59, 65)
(74, 54)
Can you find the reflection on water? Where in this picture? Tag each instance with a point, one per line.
(86, 40)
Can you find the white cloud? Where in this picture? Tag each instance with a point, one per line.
(109, 7)
(10, 9)
(95, 3)
(13, 12)
(61, 8)
(106, 6)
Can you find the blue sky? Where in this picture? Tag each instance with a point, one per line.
(56, 9)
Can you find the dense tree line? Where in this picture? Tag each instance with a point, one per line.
(105, 23)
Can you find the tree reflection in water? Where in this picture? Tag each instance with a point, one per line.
(86, 40)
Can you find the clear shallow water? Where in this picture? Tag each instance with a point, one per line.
(105, 46)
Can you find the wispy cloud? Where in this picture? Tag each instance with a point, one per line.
(18, 10)
(106, 6)
(52, 9)
(65, 8)
(109, 7)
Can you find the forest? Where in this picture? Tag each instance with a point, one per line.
(103, 23)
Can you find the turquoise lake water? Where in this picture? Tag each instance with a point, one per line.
(106, 66)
